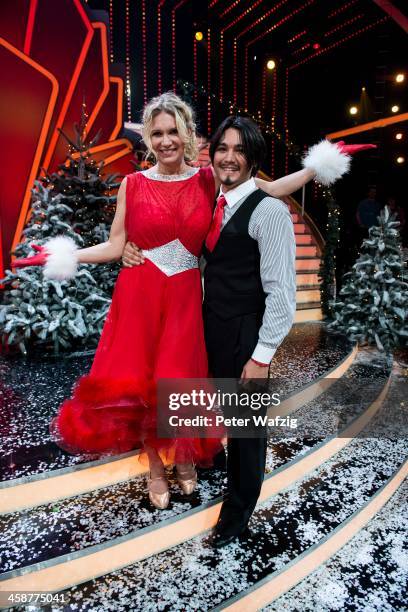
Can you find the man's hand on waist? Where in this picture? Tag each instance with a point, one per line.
(132, 255)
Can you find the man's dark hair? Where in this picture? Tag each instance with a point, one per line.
(252, 141)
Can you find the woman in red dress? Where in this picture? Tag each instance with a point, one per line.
(154, 327)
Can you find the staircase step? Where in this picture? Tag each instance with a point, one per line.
(306, 296)
(303, 315)
(307, 305)
(75, 519)
(40, 478)
(307, 278)
(373, 555)
(90, 524)
(302, 250)
(300, 228)
(307, 263)
(284, 528)
(304, 239)
(277, 586)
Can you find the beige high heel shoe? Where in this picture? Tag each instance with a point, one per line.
(187, 479)
(159, 500)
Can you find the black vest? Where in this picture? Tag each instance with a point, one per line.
(232, 279)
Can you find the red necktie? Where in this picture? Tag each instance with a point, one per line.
(215, 227)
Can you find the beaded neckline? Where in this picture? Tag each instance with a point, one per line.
(156, 176)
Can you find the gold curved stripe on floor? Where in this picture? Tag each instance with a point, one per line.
(54, 488)
(282, 581)
(81, 566)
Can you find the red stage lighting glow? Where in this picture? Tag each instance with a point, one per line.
(119, 110)
(273, 27)
(245, 13)
(221, 65)
(127, 60)
(195, 67)
(262, 18)
(235, 71)
(342, 8)
(298, 51)
(230, 8)
(278, 23)
(173, 40)
(297, 36)
(274, 104)
(99, 25)
(246, 78)
(230, 25)
(74, 77)
(30, 27)
(111, 30)
(285, 118)
(209, 81)
(343, 25)
(339, 42)
(159, 25)
(263, 93)
(144, 51)
(44, 97)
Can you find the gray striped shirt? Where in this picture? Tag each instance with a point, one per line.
(271, 225)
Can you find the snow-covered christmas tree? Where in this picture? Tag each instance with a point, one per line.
(373, 306)
(79, 203)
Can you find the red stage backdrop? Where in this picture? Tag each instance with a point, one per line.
(53, 57)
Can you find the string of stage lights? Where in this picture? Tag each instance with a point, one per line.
(292, 148)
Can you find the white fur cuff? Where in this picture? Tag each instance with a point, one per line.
(62, 261)
(327, 161)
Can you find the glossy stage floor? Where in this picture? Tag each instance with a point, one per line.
(329, 532)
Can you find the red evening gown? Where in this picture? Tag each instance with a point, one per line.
(154, 327)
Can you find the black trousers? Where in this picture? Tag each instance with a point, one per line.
(229, 345)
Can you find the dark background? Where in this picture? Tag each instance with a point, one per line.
(360, 46)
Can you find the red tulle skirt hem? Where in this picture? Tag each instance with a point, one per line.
(111, 416)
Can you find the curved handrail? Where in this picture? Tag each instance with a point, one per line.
(313, 227)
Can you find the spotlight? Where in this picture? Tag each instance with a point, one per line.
(199, 36)
(254, 57)
(400, 159)
(400, 78)
(395, 108)
(353, 110)
(270, 64)
(398, 136)
(316, 46)
(363, 89)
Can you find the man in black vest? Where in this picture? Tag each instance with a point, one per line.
(250, 286)
(250, 298)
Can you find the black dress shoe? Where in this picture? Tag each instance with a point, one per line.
(220, 539)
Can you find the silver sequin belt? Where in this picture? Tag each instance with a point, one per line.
(171, 258)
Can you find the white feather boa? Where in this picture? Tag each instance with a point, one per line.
(327, 161)
(62, 260)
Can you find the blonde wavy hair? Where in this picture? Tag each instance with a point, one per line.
(170, 103)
